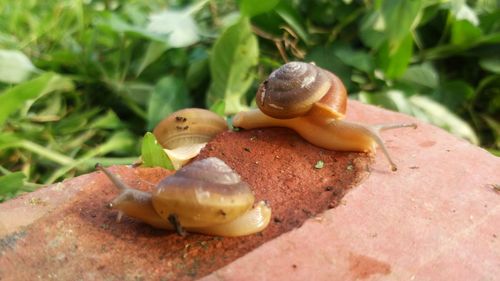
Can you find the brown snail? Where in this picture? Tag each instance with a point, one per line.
(312, 101)
(206, 196)
(185, 132)
(295, 88)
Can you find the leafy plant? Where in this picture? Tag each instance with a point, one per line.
(82, 81)
(152, 153)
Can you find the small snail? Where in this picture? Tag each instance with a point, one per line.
(312, 101)
(206, 196)
(185, 132)
(296, 87)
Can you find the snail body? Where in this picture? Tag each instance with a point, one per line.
(206, 196)
(185, 132)
(340, 135)
(312, 102)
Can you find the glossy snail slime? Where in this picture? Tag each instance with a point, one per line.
(206, 196)
(313, 102)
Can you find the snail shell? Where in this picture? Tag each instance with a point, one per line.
(312, 102)
(206, 196)
(208, 190)
(185, 132)
(296, 87)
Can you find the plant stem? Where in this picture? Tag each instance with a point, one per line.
(47, 153)
(196, 7)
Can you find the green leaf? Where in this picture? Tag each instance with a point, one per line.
(292, 17)
(111, 22)
(51, 109)
(219, 107)
(462, 11)
(422, 75)
(153, 154)
(394, 99)
(400, 99)
(154, 51)
(423, 108)
(169, 95)
(443, 117)
(178, 25)
(494, 151)
(12, 99)
(199, 69)
(489, 21)
(455, 94)
(75, 122)
(491, 64)
(495, 128)
(463, 32)
(107, 121)
(395, 61)
(399, 17)
(10, 184)
(324, 56)
(358, 59)
(252, 8)
(233, 58)
(8, 140)
(372, 30)
(379, 99)
(119, 142)
(15, 67)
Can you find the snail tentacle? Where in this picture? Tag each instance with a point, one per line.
(133, 202)
(312, 102)
(376, 129)
(374, 132)
(206, 196)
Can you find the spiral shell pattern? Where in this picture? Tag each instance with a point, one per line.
(208, 190)
(291, 90)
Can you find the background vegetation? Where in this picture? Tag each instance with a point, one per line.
(82, 81)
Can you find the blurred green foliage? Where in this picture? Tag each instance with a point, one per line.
(82, 81)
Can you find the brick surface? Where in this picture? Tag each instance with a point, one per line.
(436, 218)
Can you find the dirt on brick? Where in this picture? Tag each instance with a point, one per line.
(81, 238)
(362, 267)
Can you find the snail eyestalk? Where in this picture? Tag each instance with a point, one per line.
(312, 102)
(206, 196)
(374, 131)
(133, 202)
(113, 178)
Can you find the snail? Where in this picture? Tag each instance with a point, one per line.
(312, 101)
(206, 197)
(185, 132)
